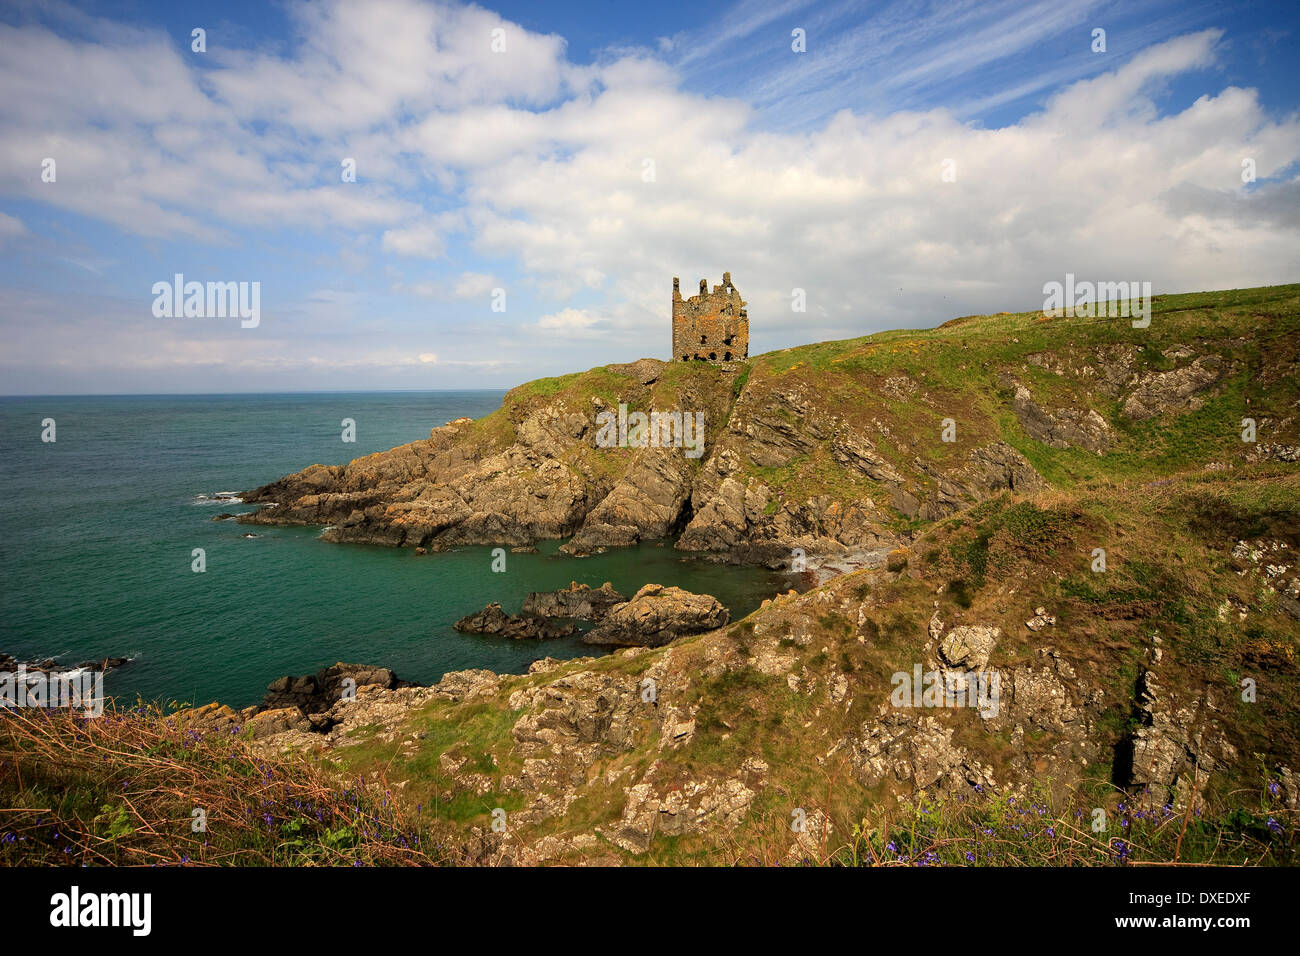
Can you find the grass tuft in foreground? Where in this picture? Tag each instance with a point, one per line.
(132, 787)
(1248, 829)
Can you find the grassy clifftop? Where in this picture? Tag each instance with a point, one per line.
(1098, 535)
(841, 447)
(1158, 687)
(1131, 701)
(899, 386)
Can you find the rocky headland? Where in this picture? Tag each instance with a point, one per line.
(1067, 511)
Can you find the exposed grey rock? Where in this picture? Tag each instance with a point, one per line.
(646, 503)
(278, 720)
(1038, 697)
(10, 664)
(968, 646)
(988, 471)
(318, 692)
(467, 684)
(657, 615)
(1040, 620)
(1177, 745)
(915, 747)
(1273, 451)
(1179, 390)
(859, 453)
(690, 808)
(493, 620)
(577, 600)
(1062, 427)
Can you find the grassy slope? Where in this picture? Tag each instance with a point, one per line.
(574, 393)
(1168, 574)
(959, 368)
(1168, 540)
(1168, 545)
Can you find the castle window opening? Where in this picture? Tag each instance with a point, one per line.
(710, 316)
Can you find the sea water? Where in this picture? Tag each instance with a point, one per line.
(98, 530)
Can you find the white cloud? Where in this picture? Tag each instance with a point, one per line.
(361, 63)
(568, 320)
(537, 166)
(414, 241)
(857, 214)
(10, 227)
(472, 285)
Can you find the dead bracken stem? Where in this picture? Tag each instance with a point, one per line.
(128, 787)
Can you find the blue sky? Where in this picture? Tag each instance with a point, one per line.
(605, 149)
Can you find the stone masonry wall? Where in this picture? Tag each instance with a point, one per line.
(712, 326)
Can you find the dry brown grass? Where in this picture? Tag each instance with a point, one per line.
(124, 788)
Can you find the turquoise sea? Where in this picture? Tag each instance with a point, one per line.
(97, 530)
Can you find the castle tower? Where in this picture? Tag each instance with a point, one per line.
(712, 326)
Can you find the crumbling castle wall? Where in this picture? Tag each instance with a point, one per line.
(712, 326)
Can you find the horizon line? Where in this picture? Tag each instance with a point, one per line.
(310, 391)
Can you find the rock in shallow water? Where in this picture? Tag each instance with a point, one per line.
(657, 615)
(493, 620)
(577, 600)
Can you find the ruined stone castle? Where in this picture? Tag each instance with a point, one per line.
(712, 326)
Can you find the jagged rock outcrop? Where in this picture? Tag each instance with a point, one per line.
(295, 707)
(657, 615)
(1062, 427)
(646, 503)
(277, 720)
(968, 646)
(577, 600)
(457, 487)
(318, 692)
(11, 664)
(691, 808)
(1273, 451)
(493, 620)
(1178, 744)
(987, 471)
(1179, 389)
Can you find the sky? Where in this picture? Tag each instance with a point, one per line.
(529, 177)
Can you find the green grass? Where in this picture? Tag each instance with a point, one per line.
(1255, 828)
(1167, 524)
(961, 368)
(140, 788)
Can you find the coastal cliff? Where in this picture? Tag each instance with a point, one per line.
(1076, 691)
(841, 448)
(1074, 636)
(1109, 538)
